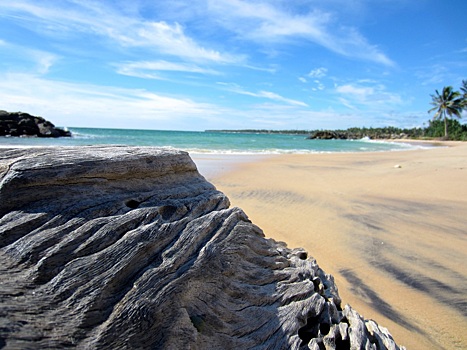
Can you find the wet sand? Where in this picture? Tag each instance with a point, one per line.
(391, 228)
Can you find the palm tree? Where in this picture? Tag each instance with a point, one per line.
(464, 94)
(449, 103)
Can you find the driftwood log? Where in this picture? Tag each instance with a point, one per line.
(131, 248)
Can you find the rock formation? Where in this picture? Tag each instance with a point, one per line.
(358, 134)
(131, 248)
(24, 124)
(328, 135)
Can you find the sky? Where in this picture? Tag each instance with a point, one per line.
(230, 64)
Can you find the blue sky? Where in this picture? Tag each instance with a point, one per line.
(230, 64)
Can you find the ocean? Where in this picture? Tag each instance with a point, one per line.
(208, 142)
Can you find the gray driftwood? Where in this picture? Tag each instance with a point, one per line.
(131, 248)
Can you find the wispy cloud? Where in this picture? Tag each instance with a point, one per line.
(434, 74)
(66, 18)
(315, 74)
(44, 60)
(264, 22)
(149, 69)
(36, 61)
(261, 94)
(293, 117)
(318, 72)
(319, 85)
(374, 97)
(171, 40)
(277, 97)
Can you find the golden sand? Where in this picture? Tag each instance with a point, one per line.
(391, 227)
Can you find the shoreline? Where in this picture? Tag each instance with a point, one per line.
(389, 226)
(214, 165)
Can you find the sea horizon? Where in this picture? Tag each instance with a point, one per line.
(210, 141)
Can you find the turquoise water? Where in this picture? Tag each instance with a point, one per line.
(208, 142)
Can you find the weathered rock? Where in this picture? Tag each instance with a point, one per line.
(24, 124)
(131, 248)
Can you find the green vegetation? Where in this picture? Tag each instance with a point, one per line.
(447, 104)
(434, 130)
(464, 94)
(437, 129)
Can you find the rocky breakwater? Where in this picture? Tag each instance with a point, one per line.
(131, 248)
(24, 124)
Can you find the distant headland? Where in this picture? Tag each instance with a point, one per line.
(434, 130)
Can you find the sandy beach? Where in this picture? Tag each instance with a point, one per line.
(391, 227)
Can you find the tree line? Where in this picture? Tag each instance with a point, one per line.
(434, 129)
(446, 105)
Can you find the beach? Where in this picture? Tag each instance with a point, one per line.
(390, 227)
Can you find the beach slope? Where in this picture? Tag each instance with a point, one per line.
(390, 227)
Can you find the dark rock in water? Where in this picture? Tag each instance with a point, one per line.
(131, 248)
(24, 124)
(327, 135)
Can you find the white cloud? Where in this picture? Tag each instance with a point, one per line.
(36, 61)
(146, 69)
(435, 74)
(44, 60)
(261, 21)
(349, 42)
(293, 117)
(66, 18)
(171, 39)
(318, 72)
(274, 96)
(374, 97)
(319, 86)
(265, 23)
(347, 103)
(261, 94)
(362, 93)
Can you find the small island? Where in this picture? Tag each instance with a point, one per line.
(26, 125)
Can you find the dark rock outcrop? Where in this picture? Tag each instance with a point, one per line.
(327, 135)
(352, 135)
(131, 248)
(24, 124)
